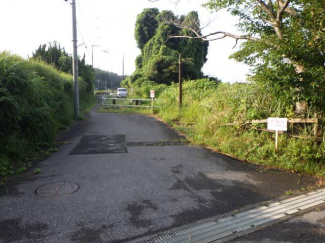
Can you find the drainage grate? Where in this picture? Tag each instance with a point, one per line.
(228, 226)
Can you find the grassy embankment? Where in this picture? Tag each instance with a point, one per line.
(35, 102)
(209, 109)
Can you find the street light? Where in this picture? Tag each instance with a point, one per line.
(97, 84)
(107, 52)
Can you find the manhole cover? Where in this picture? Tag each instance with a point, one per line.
(57, 189)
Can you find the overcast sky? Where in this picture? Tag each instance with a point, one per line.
(25, 24)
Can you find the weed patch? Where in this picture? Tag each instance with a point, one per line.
(214, 115)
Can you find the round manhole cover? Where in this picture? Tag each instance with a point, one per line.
(57, 189)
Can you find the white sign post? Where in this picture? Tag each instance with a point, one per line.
(277, 124)
(152, 96)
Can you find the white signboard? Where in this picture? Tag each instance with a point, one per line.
(152, 94)
(277, 124)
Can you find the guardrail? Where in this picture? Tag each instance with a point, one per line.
(125, 102)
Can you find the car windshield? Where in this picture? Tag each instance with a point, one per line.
(121, 89)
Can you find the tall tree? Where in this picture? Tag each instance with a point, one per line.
(107, 79)
(158, 60)
(146, 26)
(284, 43)
(55, 55)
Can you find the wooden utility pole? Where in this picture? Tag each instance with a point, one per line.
(180, 98)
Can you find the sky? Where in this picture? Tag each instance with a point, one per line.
(108, 26)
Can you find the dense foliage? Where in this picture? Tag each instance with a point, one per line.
(285, 45)
(159, 56)
(142, 89)
(55, 55)
(104, 79)
(35, 101)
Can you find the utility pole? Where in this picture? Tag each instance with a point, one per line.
(107, 52)
(92, 55)
(75, 60)
(180, 98)
(123, 68)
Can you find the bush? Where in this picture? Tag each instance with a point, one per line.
(35, 101)
(141, 88)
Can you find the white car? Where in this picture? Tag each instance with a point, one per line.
(122, 93)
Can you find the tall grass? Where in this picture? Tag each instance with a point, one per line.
(35, 101)
(209, 109)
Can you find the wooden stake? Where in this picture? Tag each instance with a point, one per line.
(315, 127)
(276, 140)
(180, 98)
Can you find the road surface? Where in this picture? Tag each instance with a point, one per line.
(119, 177)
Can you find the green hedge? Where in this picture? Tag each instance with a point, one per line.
(35, 101)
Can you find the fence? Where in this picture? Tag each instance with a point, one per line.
(125, 102)
(313, 121)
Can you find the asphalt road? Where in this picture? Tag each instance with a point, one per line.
(133, 176)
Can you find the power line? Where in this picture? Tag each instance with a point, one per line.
(88, 41)
(83, 38)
